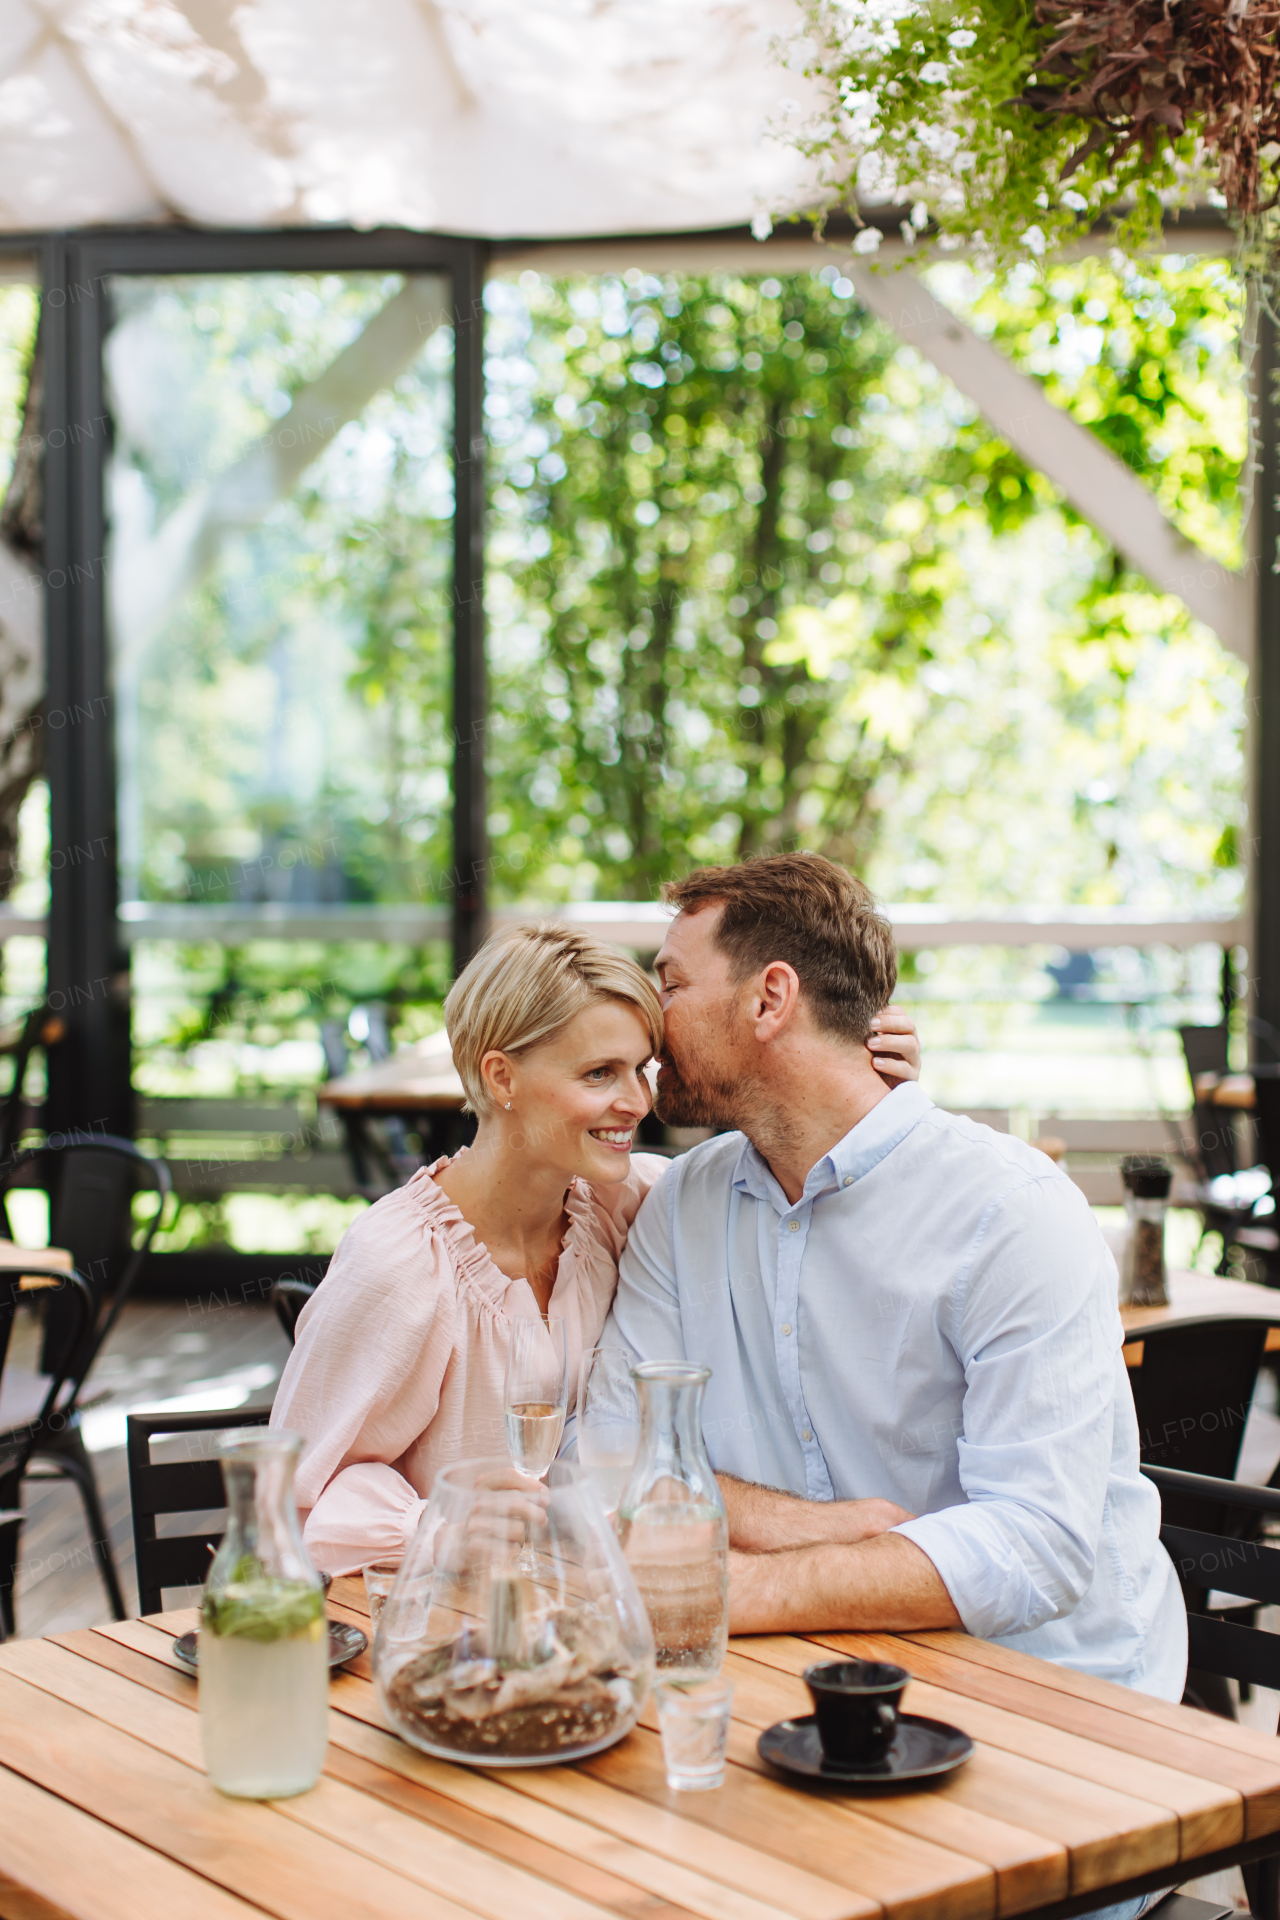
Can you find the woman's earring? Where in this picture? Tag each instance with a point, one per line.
(508, 1106)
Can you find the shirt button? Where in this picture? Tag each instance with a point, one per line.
(807, 1434)
(848, 1180)
(794, 1226)
(786, 1327)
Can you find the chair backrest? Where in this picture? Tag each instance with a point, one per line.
(184, 1486)
(92, 1179)
(41, 1028)
(1192, 1394)
(333, 1039)
(378, 1037)
(1205, 1051)
(289, 1297)
(71, 1297)
(1207, 1559)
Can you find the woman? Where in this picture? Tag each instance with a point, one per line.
(400, 1357)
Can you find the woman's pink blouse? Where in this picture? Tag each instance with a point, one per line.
(401, 1354)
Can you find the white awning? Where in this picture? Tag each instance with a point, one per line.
(489, 117)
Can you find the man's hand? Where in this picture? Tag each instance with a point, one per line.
(887, 1583)
(762, 1520)
(894, 1045)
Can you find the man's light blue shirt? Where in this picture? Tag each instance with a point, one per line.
(933, 1322)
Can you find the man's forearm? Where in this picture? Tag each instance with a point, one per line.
(888, 1583)
(763, 1520)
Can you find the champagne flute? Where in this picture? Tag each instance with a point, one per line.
(608, 1420)
(536, 1395)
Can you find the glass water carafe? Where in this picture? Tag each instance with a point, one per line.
(671, 1522)
(264, 1642)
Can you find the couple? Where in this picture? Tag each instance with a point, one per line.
(918, 1407)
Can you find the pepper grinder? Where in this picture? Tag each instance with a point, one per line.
(1144, 1278)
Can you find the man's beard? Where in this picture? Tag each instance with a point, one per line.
(695, 1099)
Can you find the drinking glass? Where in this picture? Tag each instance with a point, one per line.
(608, 1421)
(536, 1396)
(694, 1720)
(535, 1401)
(379, 1578)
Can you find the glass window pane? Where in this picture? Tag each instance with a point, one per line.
(280, 501)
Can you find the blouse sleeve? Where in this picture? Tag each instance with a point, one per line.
(363, 1382)
(616, 1207)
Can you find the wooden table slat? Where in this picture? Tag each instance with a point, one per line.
(911, 1877)
(57, 1863)
(246, 1847)
(1210, 1816)
(1186, 1749)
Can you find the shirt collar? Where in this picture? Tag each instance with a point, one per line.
(862, 1148)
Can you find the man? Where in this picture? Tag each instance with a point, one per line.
(918, 1407)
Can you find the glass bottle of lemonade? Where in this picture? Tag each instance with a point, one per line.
(264, 1641)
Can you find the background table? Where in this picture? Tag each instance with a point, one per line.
(1197, 1297)
(1076, 1788)
(419, 1087)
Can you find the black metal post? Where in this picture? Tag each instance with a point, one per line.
(1264, 959)
(470, 831)
(88, 967)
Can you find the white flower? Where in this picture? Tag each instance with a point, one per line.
(961, 38)
(1076, 201)
(761, 226)
(934, 72)
(868, 240)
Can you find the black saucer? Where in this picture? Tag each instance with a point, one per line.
(345, 1642)
(919, 1750)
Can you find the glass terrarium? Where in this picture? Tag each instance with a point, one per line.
(514, 1635)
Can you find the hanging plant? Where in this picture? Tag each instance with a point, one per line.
(1009, 126)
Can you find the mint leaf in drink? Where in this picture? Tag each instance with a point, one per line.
(257, 1608)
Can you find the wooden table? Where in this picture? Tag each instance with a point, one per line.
(1197, 1297)
(420, 1079)
(420, 1086)
(1078, 1791)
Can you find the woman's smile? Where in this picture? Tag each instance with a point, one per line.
(619, 1138)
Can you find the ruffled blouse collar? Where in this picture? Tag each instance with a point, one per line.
(471, 1256)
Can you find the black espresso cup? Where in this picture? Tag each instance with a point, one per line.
(855, 1703)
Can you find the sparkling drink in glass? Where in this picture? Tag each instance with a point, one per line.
(533, 1434)
(535, 1402)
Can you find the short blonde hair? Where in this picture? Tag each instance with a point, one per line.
(529, 982)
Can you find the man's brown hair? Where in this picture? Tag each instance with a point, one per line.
(811, 913)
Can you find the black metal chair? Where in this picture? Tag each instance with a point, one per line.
(289, 1297)
(168, 1487)
(1192, 1389)
(30, 1422)
(1192, 1393)
(42, 1027)
(1214, 1559)
(91, 1179)
(1214, 1153)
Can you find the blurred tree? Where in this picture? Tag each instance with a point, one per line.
(21, 554)
(715, 456)
(749, 547)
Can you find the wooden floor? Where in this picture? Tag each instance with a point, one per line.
(175, 1357)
